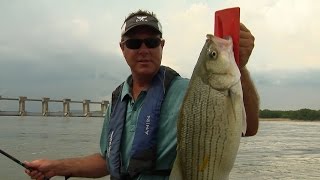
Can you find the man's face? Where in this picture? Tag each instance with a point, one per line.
(142, 60)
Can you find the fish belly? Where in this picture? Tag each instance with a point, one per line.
(208, 134)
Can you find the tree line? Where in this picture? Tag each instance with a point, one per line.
(301, 114)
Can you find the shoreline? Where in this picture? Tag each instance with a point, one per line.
(275, 119)
(286, 119)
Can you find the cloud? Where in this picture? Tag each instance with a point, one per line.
(185, 33)
(288, 90)
(302, 78)
(63, 74)
(287, 34)
(50, 48)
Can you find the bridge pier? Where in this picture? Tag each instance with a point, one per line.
(86, 108)
(45, 106)
(104, 105)
(22, 105)
(66, 107)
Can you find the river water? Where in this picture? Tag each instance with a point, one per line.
(281, 149)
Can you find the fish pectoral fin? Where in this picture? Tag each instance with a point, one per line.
(244, 121)
(238, 105)
(176, 172)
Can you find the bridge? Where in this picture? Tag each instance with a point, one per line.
(66, 112)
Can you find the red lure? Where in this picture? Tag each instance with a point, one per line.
(227, 23)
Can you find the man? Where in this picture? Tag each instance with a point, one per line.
(123, 153)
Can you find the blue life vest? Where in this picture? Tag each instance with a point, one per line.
(143, 154)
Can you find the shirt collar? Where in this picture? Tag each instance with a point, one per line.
(126, 89)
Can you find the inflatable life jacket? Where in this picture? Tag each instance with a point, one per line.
(143, 154)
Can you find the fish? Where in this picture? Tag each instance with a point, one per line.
(212, 115)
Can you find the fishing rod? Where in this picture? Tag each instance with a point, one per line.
(18, 162)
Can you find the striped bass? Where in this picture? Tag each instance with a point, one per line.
(211, 117)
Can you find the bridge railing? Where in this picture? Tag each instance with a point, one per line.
(45, 107)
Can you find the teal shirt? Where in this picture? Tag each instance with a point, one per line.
(166, 147)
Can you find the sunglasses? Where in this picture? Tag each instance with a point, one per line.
(136, 43)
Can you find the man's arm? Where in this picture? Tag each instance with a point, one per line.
(250, 94)
(93, 166)
(251, 102)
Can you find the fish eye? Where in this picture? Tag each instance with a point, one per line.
(213, 54)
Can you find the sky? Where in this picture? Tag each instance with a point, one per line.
(70, 49)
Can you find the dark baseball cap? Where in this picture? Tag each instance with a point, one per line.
(141, 20)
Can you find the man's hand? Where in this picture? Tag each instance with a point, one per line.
(42, 169)
(246, 44)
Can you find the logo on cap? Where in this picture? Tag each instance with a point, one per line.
(142, 19)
